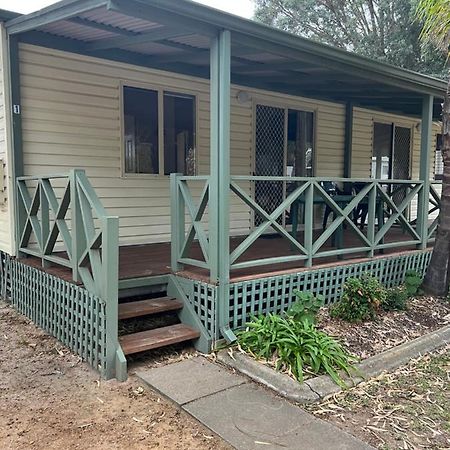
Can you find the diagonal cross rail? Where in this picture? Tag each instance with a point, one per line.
(398, 212)
(271, 219)
(196, 215)
(344, 216)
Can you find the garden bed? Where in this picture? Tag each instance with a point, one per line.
(390, 329)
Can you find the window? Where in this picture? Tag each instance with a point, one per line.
(179, 133)
(438, 159)
(150, 148)
(141, 130)
(300, 143)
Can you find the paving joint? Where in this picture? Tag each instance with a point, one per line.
(241, 412)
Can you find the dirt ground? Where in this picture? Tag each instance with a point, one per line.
(49, 399)
(408, 409)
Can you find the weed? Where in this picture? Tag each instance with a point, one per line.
(395, 300)
(413, 281)
(306, 307)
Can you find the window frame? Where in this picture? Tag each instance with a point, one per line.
(438, 176)
(161, 90)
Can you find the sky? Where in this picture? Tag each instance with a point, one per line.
(242, 8)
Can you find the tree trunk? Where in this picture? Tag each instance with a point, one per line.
(436, 280)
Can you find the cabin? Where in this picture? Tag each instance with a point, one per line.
(164, 156)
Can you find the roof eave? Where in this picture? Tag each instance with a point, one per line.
(257, 32)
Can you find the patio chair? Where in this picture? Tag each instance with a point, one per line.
(361, 211)
(330, 187)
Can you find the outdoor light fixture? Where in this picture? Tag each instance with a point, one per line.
(243, 97)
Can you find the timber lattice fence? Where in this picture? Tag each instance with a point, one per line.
(275, 294)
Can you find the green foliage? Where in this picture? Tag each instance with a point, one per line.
(435, 16)
(385, 30)
(306, 307)
(361, 299)
(296, 345)
(413, 281)
(395, 300)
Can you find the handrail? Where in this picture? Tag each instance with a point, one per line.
(384, 207)
(87, 235)
(321, 179)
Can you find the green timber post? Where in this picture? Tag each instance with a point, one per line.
(177, 221)
(424, 170)
(17, 144)
(219, 202)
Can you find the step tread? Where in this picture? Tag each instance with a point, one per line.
(159, 337)
(146, 307)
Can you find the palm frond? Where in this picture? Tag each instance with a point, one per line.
(435, 16)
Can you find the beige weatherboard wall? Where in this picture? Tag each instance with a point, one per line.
(71, 118)
(6, 234)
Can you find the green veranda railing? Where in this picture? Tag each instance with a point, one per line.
(62, 222)
(381, 206)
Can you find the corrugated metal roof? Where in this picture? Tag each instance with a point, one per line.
(259, 52)
(76, 31)
(115, 19)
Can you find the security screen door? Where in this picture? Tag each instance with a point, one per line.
(269, 156)
(391, 152)
(284, 145)
(391, 158)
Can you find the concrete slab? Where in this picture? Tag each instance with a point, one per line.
(190, 380)
(248, 417)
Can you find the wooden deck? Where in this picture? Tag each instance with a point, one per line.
(149, 260)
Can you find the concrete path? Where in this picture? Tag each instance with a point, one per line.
(241, 412)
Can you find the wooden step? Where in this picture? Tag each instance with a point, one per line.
(147, 307)
(159, 337)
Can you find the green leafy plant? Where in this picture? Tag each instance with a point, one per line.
(296, 346)
(413, 281)
(395, 300)
(306, 307)
(361, 299)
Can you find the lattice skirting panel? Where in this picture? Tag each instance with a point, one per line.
(276, 293)
(68, 312)
(202, 297)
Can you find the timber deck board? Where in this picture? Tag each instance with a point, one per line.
(147, 307)
(136, 261)
(159, 337)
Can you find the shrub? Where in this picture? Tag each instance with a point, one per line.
(306, 307)
(361, 299)
(413, 281)
(395, 300)
(295, 345)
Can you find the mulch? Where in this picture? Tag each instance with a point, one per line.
(423, 315)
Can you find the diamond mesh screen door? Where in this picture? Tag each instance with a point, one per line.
(402, 153)
(401, 161)
(269, 156)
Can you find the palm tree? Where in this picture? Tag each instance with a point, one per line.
(435, 15)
